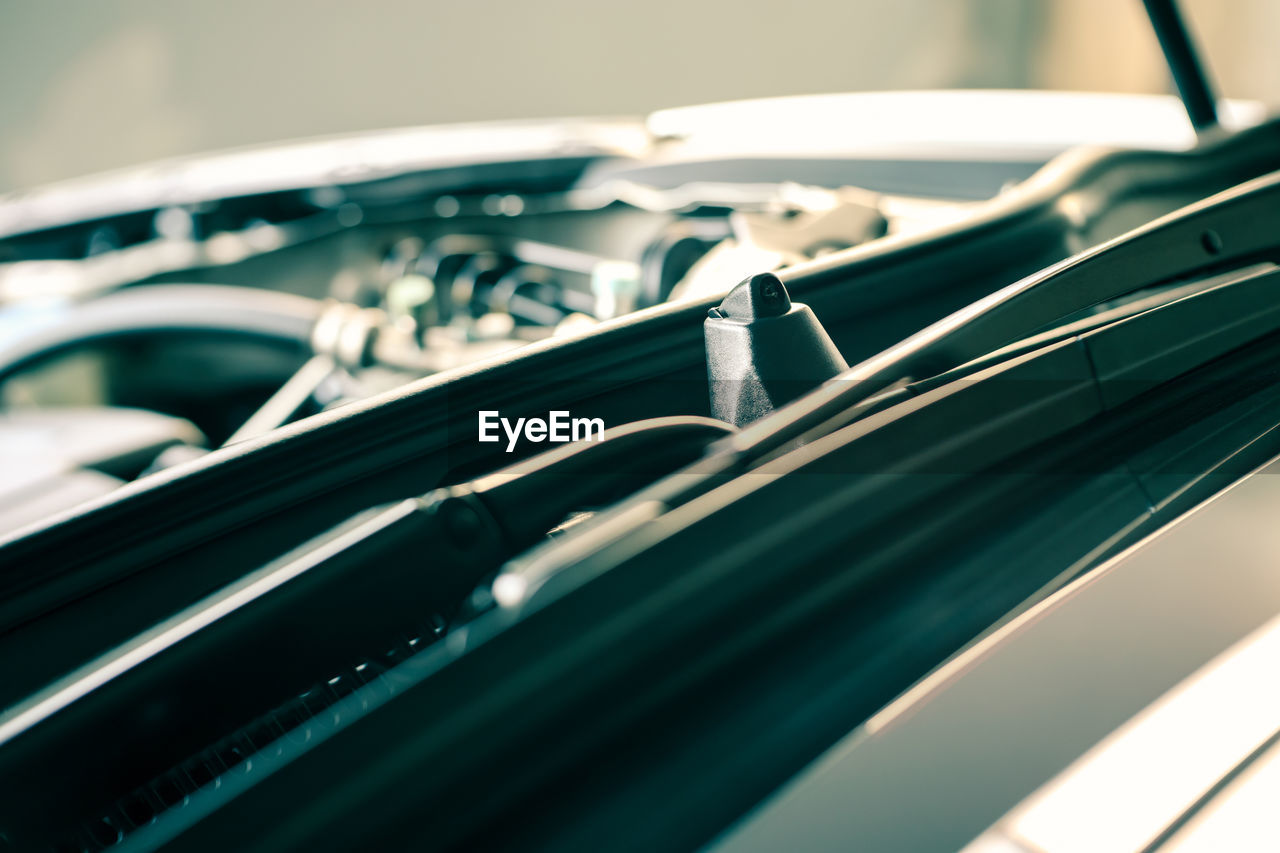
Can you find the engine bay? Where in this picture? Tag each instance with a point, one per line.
(295, 302)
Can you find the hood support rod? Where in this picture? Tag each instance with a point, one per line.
(1189, 73)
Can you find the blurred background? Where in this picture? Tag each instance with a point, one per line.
(86, 86)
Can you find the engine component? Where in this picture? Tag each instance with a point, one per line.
(57, 458)
(807, 223)
(212, 309)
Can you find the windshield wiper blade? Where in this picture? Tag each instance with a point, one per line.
(1231, 229)
(395, 571)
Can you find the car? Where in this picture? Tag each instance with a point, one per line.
(618, 484)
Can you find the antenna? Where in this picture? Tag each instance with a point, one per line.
(1188, 71)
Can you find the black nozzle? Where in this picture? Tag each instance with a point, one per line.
(763, 350)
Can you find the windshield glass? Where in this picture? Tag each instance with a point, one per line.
(92, 86)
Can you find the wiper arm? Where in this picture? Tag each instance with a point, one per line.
(959, 424)
(277, 634)
(1231, 229)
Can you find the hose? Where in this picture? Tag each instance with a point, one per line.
(164, 309)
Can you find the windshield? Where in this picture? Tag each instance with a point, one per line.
(92, 86)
